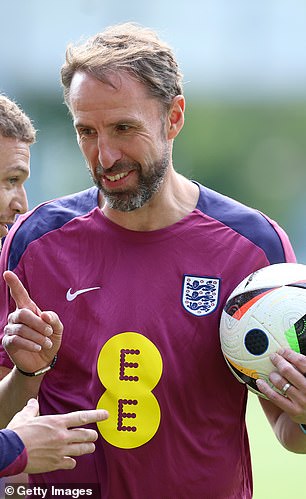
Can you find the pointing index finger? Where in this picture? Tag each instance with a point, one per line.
(19, 293)
(80, 418)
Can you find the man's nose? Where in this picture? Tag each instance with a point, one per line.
(19, 203)
(109, 153)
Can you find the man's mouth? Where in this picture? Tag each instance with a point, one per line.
(118, 176)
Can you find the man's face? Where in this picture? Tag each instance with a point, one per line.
(122, 134)
(14, 171)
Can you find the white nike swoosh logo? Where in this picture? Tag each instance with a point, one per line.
(71, 296)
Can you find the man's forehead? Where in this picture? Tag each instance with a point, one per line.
(125, 100)
(14, 155)
(86, 87)
(13, 142)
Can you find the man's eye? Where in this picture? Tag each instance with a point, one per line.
(85, 132)
(123, 127)
(13, 180)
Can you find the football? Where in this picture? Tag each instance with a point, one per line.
(265, 312)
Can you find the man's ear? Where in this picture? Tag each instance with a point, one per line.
(176, 116)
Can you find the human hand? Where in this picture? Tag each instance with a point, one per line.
(31, 337)
(290, 380)
(52, 440)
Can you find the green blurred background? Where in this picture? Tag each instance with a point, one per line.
(245, 83)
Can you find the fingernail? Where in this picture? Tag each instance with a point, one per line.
(48, 343)
(48, 330)
(32, 401)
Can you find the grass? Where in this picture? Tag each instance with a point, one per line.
(277, 473)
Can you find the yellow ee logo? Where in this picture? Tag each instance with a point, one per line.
(129, 366)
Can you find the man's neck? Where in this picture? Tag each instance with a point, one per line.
(177, 198)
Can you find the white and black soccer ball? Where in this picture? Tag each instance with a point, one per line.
(265, 312)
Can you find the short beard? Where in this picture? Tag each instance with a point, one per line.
(148, 185)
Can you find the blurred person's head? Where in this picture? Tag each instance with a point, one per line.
(16, 135)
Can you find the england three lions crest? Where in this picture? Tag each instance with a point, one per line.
(200, 294)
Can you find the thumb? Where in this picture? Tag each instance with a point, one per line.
(19, 292)
(31, 409)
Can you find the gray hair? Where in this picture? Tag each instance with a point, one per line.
(126, 47)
